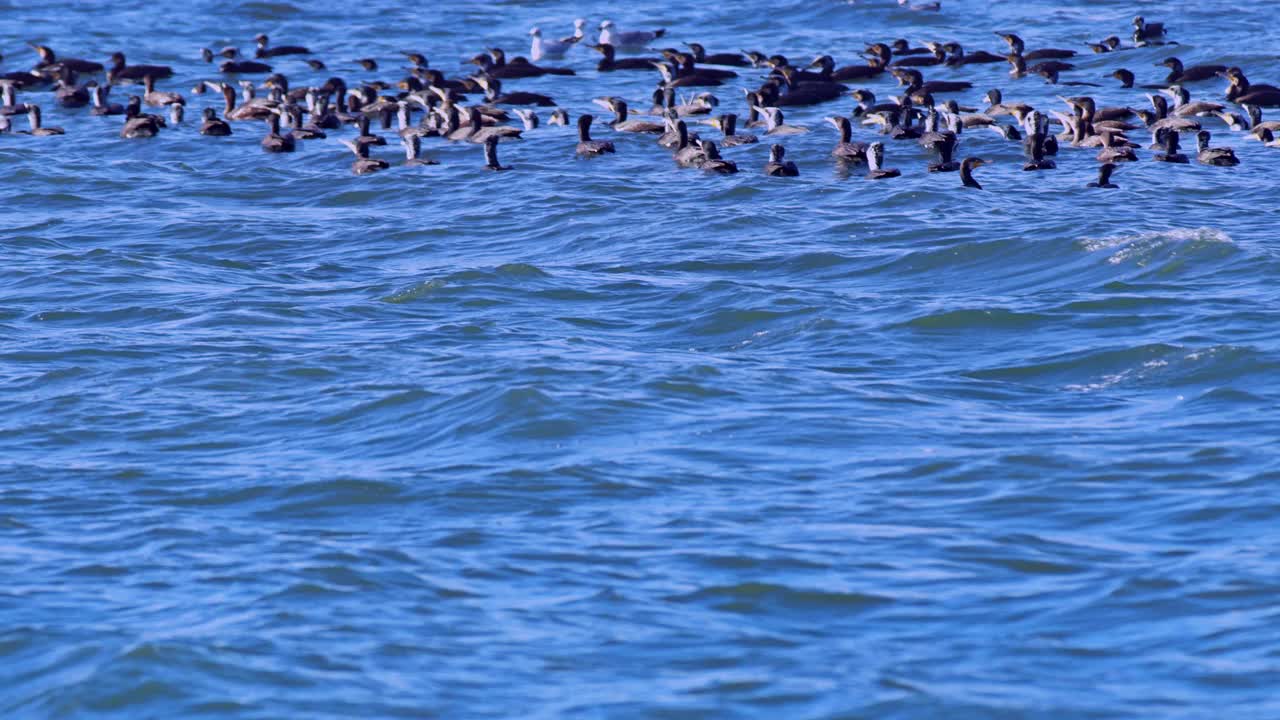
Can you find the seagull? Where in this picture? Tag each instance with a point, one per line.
(635, 40)
(555, 49)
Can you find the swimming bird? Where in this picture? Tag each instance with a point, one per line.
(794, 92)
(1267, 137)
(1008, 132)
(727, 124)
(1256, 121)
(98, 94)
(156, 98)
(620, 122)
(245, 111)
(915, 85)
(1033, 146)
(715, 163)
(36, 129)
(1018, 47)
(634, 40)
(1106, 45)
(997, 106)
(845, 149)
(945, 146)
(264, 51)
(1048, 69)
(1104, 177)
(966, 172)
(559, 116)
(477, 132)
(493, 94)
(700, 55)
(366, 136)
(867, 103)
(610, 63)
(297, 129)
(22, 78)
(413, 151)
(1234, 121)
(121, 72)
(1126, 79)
(1168, 141)
(670, 79)
(777, 166)
(363, 164)
(902, 48)
(212, 125)
(1195, 73)
(671, 138)
(491, 155)
(528, 118)
(956, 56)
(875, 163)
(936, 56)
(49, 58)
(274, 142)
(1222, 156)
(774, 122)
(686, 154)
(586, 146)
(1162, 119)
(1114, 150)
(829, 72)
(555, 49)
(1145, 31)
(67, 93)
(498, 67)
(1239, 86)
(138, 124)
(934, 6)
(1182, 105)
(237, 66)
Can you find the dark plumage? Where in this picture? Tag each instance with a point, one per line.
(491, 155)
(845, 149)
(610, 62)
(1104, 177)
(122, 72)
(777, 166)
(1196, 73)
(274, 142)
(966, 172)
(244, 67)
(264, 51)
(213, 125)
(586, 146)
(730, 59)
(1221, 156)
(713, 162)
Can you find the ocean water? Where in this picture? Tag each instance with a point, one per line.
(612, 439)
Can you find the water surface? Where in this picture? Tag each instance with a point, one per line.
(614, 439)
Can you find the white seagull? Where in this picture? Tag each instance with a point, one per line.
(556, 49)
(635, 40)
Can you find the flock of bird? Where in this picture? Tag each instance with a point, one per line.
(426, 104)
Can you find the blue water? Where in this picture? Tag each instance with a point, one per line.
(612, 439)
